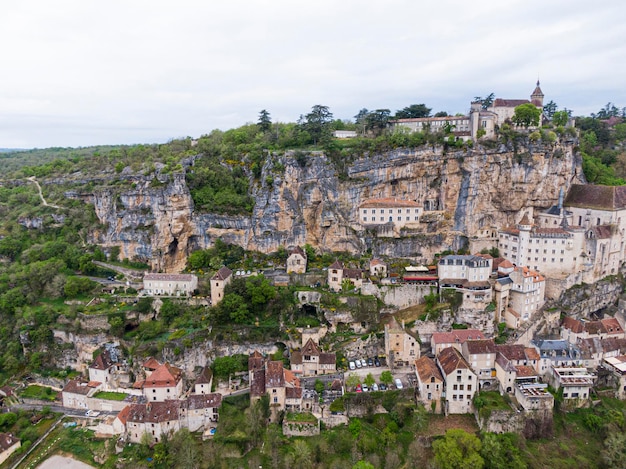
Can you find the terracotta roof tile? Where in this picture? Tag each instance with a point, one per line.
(592, 196)
(222, 274)
(123, 414)
(164, 376)
(426, 368)
(457, 336)
(573, 325)
(328, 358)
(310, 348)
(479, 346)
(202, 401)
(7, 440)
(450, 359)
(205, 376)
(153, 412)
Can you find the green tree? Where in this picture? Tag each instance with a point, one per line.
(363, 465)
(560, 118)
(485, 102)
(614, 452)
(413, 111)
(526, 115)
(319, 386)
(353, 380)
(550, 109)
(376, 121)
(386, 377)
(264, 122)
(369, 380)
(499, 451)
(458, 450)
(317, 123)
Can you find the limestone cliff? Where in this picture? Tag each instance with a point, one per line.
(462, 192)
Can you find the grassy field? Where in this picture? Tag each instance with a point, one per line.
(35, 391)
(111, 396)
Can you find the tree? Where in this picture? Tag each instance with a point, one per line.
(353, 380)
(560, 118)
(414, 111)
(549, 109)
(369, 380)
(441, 114)
(458, 450)
(500, 452)
(486, 102)
(319, 386)
(363, 465)
(386, 377)
(526, 115)
(265, 122)
(614, 452)
(377, 120)
(317, 123)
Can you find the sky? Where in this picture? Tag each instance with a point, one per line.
(81, 72)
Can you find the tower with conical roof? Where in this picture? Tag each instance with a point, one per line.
(537, 97)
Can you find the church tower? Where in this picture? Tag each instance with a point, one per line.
(537, 97)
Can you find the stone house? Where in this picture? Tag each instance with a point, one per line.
(617, 365)
(8, 445)
(378, 268)
(455, 338)
(154, 418)
(199, 411)
(164, 383)
(481, 355)
(556, 354)
(218, 283)
(573, 329)
(337, 273)
(459, 126)
(527, 294)
(398, 213)
(76, 393)
(533, 395)
(297, 260)
(515, 364)
(460, 381)
(170, 284)
(107, 369)
(204, 381)
(468, 274)
(311, 361)
(401, 347)
(576, 383)
(430, 383)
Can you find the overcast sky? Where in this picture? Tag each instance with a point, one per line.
(81, 72)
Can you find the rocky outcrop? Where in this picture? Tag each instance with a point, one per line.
(462, 192)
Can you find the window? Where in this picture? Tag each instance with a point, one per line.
(455, 387)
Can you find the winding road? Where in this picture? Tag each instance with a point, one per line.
(43, 201)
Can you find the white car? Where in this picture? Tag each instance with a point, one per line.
(358, 363)
(352, 365)
(398, 383)
(374, 387)
(365, 388)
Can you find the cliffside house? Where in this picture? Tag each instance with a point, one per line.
(576, 383)
(337, 274)
(170, 284)
(533, 395)
(107, 369)
(460, 381)
(458, 126)
(218, 282)
(573, 329)
(200, 411)
(297, 260)
(204, 381)
(617, 366)
(455, 338)
(8, 445)
(398, 213)
(430, 383)
(311, 361)
(401, 347)
(76, 392)
(164, 383)
(481, 355)
(468, 274)
(556, 354)
(154, 418)
(378, 268)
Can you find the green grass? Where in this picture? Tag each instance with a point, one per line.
(111, 396)
(39, 392)
(301, 417)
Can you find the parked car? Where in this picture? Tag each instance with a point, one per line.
(374, 387)
(382, 387)
(365, 388)
(376, 361)
(370, 362)
(359, 388)
(398, 383)
(352, 365)
(358, 363)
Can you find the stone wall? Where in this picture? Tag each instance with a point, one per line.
(294, 428)
(401, 296)
(532, 424)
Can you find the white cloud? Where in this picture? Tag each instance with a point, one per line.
(80, 73)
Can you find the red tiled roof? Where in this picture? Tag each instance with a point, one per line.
(479, 346)
(328, 359)
(78, 386)
(592, 196)
(512, 352)
(202, 401)
(336, 266)
(310, 348)
(352, 273)
(573, 325)
(450, 359)
(151, 364)
(298, 250)
(296, 358)
(205, 376)
(456, 336)
(524, 371)
(274, 374)
(164, 376)
(102, 361)
(257, 386)
(7, 440)
(612, 326)
(123, 414)
(426, 368)
(499, 102)
(293, 393)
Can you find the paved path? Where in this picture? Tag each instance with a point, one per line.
(57, 461)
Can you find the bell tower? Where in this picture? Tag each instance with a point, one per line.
(537, 97)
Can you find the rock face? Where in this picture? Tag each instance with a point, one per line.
(462, 192)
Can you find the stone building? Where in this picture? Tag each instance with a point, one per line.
(204, 381)
(399, 213)
(218, 282)
(153, 419)
(337, 274)
(401, 347)
(311, 361)
(164, 383)
(468, 275)
(460, 381)
(455, 338)
(200, 411)
(430, 384)
(76, 393)
(378, 268)
(107, 368)
(297, 260)
(481, 355)
(170, 284)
